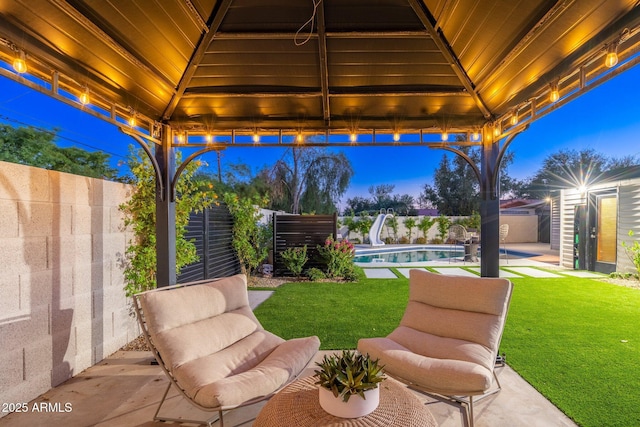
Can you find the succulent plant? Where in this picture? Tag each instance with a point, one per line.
(349, 373)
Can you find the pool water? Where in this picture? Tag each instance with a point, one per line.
(409, 256)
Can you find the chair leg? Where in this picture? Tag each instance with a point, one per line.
(208, 422)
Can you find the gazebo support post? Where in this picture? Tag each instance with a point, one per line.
(165, 212)
(489, 205)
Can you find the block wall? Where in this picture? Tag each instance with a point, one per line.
(62, 304)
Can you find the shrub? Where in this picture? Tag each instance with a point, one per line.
(314, 274)
(410, 223)
(295, 259)
(421, 240)
(249, 237)
(140, 215)
(425, 225)
(633, 251)
(338, 255)
(403, 240)
(443, 227)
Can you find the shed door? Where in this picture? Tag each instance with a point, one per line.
(603, 232)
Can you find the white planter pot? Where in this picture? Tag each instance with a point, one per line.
(354, 408)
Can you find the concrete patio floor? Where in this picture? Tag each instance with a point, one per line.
(125, 389)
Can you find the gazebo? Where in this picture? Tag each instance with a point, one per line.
(207, 74)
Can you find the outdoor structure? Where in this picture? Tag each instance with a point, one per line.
(201, 75)
(594, 220)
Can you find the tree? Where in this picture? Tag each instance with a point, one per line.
(565, 169)
(425, 225)
(410, 223)
(381, 195)
(311, 178)
(456, 188)
(140, 214)
(29, 146)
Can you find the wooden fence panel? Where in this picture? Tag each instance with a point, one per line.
(299, 230)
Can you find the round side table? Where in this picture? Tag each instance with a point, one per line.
(297, 405)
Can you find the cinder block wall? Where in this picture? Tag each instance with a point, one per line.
(62, 304)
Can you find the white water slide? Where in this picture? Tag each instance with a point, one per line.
(376, 229)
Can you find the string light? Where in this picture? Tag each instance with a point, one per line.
(496, 130)
(20, 62)
(396, 136)
(84, 97)
(475, 136)
(132, 118)
(612, 55)
(555, 93)
(353, 137)
(444, 136)
(299, 138)
(514, 118)
(256, 137)
(209, 138)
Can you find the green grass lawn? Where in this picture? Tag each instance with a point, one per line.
(575, 340)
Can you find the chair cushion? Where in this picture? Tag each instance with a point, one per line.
(214, 346)
(444, 376)
(448, 338)
(279, 367)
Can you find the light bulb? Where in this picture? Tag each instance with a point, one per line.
(20, 63)
(444, 136)
(132, 121)
(256, 137)
(496, 130)
(396, 136)
(300, 138)
(555, 93)
(475, 136)
(209, 138)
(612, 56)
(84, 97)
(514, 119)
(353, 137)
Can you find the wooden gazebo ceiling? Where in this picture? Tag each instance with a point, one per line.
(206, 65)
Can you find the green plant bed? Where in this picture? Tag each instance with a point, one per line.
(338, 313)
(576, 340)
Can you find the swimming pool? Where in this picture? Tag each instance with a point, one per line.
(402, 254)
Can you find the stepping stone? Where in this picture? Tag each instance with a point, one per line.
(379, 273)
(455, 271)
(503, 273)
(534, 272)
(405, 271)
(258, 297)
(585, 274)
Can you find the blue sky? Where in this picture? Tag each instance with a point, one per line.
(607, 119)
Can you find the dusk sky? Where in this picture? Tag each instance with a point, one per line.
(606, 118)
